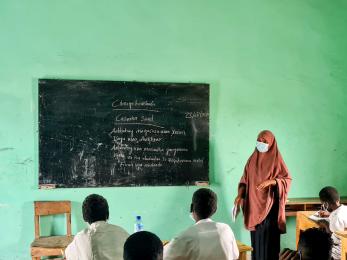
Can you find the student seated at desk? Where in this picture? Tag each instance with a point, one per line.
(206, 240)
(143, 245)
(100, 241)
(314, 244)
(337, 214)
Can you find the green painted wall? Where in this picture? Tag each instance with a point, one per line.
(279, 65)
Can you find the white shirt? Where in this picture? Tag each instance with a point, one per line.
(100, 241)
(337, 222)
(205, 240)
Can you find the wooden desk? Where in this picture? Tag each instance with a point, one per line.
(293, 205)
(303, 223)
(343, 236)
(243, 249)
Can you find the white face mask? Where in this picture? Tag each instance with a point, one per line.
(191, 216)
(262, 147)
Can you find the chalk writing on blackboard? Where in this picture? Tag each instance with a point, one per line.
(109, 133)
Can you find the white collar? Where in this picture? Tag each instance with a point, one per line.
(204, 221)
(96, 224)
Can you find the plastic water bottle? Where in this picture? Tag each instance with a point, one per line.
(138, 226)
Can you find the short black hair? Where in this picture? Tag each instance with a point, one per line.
(329, 194)
(204, 203)
(143, 245)
(95, 208)
(315, 244)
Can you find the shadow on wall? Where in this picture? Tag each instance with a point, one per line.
(77, 222)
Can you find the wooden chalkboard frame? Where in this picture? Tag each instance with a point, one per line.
(87, 129)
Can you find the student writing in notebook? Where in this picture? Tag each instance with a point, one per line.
(337, 214)
(314, 244)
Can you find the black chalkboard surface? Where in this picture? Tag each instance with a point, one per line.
(112, 133)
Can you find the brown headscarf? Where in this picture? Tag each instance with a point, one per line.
(261, 167)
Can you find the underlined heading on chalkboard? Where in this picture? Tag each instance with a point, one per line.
(111, 133)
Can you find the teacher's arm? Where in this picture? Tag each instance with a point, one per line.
(241, 195)
(267, 183)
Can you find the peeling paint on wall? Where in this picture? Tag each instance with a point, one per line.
(26, 161)
(6, 149)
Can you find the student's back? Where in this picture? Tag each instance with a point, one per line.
(337, 222)
(100, 240)
(204, 241)
(337, 216)
(338, 219)
(107, 240)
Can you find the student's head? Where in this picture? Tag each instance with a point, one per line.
(143, 245)
(315, 244)
(329, 196)
(204, 204)
(95, 208)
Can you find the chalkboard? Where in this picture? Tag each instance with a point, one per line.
(113, 133)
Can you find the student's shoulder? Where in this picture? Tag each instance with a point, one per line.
(81, 234)
(117, 229)
(181, 245)
(187, 235)
(341, 212)
(223, 226)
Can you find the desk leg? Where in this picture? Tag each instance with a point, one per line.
(297, 231)
(343, 248)
(243, 256)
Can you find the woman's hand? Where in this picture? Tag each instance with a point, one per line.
(241, 194)
(238, 201)
(237, 206)
(266, 184)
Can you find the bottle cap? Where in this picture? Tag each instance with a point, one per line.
(138, 217)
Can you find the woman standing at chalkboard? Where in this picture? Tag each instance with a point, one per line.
(262, 193)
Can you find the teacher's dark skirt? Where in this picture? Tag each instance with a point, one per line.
(266, 237)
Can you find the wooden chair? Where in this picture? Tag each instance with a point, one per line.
(52, 245)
